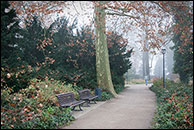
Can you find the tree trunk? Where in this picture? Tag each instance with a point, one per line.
(146, 67)
(104, 79)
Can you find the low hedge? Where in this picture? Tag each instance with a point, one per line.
(174, 105)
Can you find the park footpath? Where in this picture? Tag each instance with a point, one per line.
(132, 109)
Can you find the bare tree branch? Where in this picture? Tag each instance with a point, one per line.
(164, 9)
(122, 9)
(80, 5)
(122, 14)
(75, 7)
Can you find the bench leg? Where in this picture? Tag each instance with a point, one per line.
(80, 107)
(87, 102)
(73, 108)
(93, 101)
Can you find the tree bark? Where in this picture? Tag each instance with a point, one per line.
(104, 79)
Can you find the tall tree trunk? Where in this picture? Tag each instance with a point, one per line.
(146, 67)
(104, 79)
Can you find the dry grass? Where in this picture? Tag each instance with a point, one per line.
(136, 81)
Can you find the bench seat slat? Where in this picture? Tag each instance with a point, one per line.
(89, 98)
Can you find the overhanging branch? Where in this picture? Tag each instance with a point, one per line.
(122, 14)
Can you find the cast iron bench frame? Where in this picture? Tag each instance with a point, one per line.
(86, 96)
(68, 100)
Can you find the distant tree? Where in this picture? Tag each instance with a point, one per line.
(158, 69)
(169, 58)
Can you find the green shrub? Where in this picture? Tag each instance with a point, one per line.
(174, 105)
(35, 106)
(105, 95)
(118, 88)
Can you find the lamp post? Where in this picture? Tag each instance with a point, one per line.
(163, 52)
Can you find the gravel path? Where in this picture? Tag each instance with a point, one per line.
(132, 109)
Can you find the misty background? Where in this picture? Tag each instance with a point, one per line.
(83, 13)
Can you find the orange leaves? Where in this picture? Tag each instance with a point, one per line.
(77, 41)
(30, 114)
(60, 11)
(14, 118)
(122, 44)
(12, 4)
(49, 60)
(71, 44)
(44, 43)
(18, 12)
(46, 58)
(23, 71)
(108, 32)
(29, 68)
(33, 10)
(13, 105)
(26, 110)
(52, 61)
(77, 76)
(40, 105)
(97, 25)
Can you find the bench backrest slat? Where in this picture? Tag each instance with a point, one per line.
(84, 93)
(65, 98)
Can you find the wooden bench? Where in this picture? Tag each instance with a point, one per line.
(68, 100)
(86, 96)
